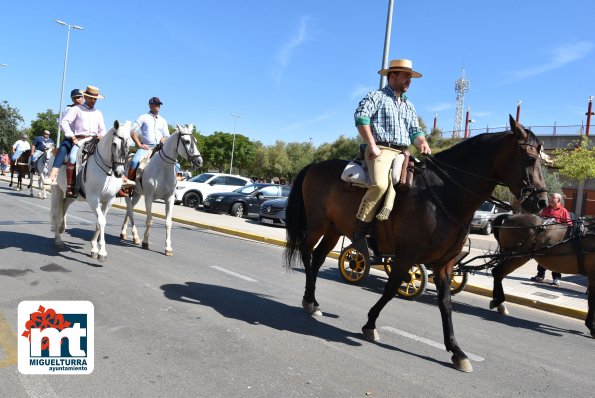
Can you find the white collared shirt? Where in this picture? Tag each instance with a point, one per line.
(152, 127)
(82, 120)
(21, 145)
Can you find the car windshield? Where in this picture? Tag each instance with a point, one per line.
(248, 189)
(486, 206)
(201, 177)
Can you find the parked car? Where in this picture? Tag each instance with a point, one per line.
(273, 212)
(484, 217)
(245, 201)
(193, 191)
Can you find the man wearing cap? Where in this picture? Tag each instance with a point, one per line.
(40, 143)
(387, 122)
(19, 147)
(153, 130)
(77, 99)
(80, 124)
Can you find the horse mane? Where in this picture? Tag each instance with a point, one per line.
(469, 146)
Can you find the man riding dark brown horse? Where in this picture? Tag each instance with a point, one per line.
(429, 223)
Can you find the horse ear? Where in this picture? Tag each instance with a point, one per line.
(191, 127)
(116, 124)
(178, 127)
(517, 128)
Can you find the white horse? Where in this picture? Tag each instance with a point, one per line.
(158, 181)
(101, 180)
(41, 167)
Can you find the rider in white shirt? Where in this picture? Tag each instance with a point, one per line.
(19, 147)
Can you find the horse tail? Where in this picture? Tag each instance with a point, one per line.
(296, 224)
(497, 223)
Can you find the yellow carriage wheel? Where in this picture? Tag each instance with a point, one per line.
(414, 284)
(352, 265)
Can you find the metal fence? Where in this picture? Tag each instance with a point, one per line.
(576, 129)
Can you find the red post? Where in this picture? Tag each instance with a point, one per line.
(435, 121)
(467, 123)
(518, 111)
(589, 113)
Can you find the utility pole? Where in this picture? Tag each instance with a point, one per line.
(233, 144)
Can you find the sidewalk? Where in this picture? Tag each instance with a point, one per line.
(569, 299)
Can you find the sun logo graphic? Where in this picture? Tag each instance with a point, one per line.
(56, 337)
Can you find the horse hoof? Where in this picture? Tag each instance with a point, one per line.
(94, 255)
(59, 245)
(123, 236)
(371, 334)
(502, 310)
(101, 259)
(145, 246)
(462, 364)
(311, 309)
(137, 241)
(169, 252)
(31, 195)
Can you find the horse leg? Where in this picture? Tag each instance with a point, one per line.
(100, 230)
(396, 277)
(126, 217)
(148, 224)
(58, 215)
(442, 278)
(499, 272)
(169, 208)
(312, 263)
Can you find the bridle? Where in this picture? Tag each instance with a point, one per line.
(185, 145)
(110, 168)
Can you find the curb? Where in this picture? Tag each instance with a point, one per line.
(470, 288)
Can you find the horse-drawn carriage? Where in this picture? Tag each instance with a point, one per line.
(354, 268)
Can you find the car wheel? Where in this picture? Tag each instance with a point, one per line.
(237, 210)
(192, 199)
(488, 228)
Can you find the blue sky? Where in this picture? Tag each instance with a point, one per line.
(296, 70)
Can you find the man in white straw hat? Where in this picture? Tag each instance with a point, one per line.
(80, 124)
(387, 122)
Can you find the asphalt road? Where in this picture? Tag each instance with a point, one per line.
(222, 318)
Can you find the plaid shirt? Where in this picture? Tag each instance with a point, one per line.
(391, 121)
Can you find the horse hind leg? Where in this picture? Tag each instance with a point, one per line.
(312, 261)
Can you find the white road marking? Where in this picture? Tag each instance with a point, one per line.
(429, 342)
(234, 274)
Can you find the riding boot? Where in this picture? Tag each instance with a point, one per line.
(359, 241)
(70, 169)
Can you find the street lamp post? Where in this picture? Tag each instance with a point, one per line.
(64, 73)
(389, 23)
(233, 144)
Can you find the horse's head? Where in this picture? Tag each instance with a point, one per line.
(187, 146)
(523, 174)
(119, 146)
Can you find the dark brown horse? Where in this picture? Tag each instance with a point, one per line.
(428, 225)
(21, 167)
(524, 236)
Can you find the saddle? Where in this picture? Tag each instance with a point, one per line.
(86, 151)
(402, 171)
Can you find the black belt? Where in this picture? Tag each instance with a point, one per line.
(393, 146)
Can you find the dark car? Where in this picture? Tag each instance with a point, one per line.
(244, 201)
(273, 212)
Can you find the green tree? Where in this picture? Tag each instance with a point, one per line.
(300, 154)
(577, 164)
(47, 120)
(10, 118)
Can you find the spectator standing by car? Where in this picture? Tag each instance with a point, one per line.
(556, 212)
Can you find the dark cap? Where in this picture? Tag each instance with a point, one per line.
(76, 93)
(155, 101)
